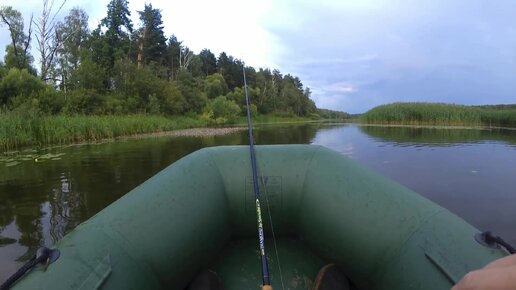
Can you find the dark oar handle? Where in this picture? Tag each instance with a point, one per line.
(14, 277)
(43, 255)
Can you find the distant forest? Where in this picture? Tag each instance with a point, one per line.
(123, 68)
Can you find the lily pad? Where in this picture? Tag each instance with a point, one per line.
(6, 241)
(14, 163)
(50, 156)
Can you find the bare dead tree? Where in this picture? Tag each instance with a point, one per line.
(185, 58)
(274, 89)
(264, 93)
(47, 36)
(143, 34)
(29, 36)
(15, 33)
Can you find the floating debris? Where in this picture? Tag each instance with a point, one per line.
(13, 160)
(50, 156)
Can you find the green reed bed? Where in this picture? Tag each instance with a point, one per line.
(499, 118)
(441, 114)
(19, 131)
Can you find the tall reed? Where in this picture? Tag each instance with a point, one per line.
(441, 114)
(17, 131)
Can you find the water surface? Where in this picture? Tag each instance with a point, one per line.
(45, 194)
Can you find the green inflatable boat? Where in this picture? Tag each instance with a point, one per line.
(199, 215)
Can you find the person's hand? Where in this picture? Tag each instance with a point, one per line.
(497, 275)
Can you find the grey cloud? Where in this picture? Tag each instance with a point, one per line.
(453, 51)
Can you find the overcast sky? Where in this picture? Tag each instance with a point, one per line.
(353, 54)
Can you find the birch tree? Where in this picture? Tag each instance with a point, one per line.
(73, 32)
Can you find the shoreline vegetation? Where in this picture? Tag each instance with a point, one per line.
(124, 78)
(440, 114)
(21, 132)
(427, 126)
(17, 131)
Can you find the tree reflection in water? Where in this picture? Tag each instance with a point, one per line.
(44, 200)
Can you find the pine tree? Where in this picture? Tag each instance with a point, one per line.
(208, 62)
(174, 48)
(116, 39)
(152, 46)
(73, 32)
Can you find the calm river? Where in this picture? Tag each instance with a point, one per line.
(471, 172)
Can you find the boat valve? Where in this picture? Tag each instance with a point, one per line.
(489, 240)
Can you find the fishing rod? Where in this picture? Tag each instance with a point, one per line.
(261, 236)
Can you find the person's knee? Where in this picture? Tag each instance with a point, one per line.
(468, 281)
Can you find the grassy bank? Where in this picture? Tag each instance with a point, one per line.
(442, 114)
(18, 131)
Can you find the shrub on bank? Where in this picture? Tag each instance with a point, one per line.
(221, 110)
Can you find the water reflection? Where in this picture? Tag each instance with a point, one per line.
(470, 172)
(423, 136)
(41, 201)
(284, 134)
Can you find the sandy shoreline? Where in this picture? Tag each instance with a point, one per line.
(192, 132)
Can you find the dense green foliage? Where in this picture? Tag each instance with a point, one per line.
(442, 114)
(221, 110)
(17, 53)
(121, 68)
(331, 115)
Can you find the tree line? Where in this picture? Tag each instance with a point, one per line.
(120, 68)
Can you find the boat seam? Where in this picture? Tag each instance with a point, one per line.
(216, 165)
(303, 187)
(395, 253)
